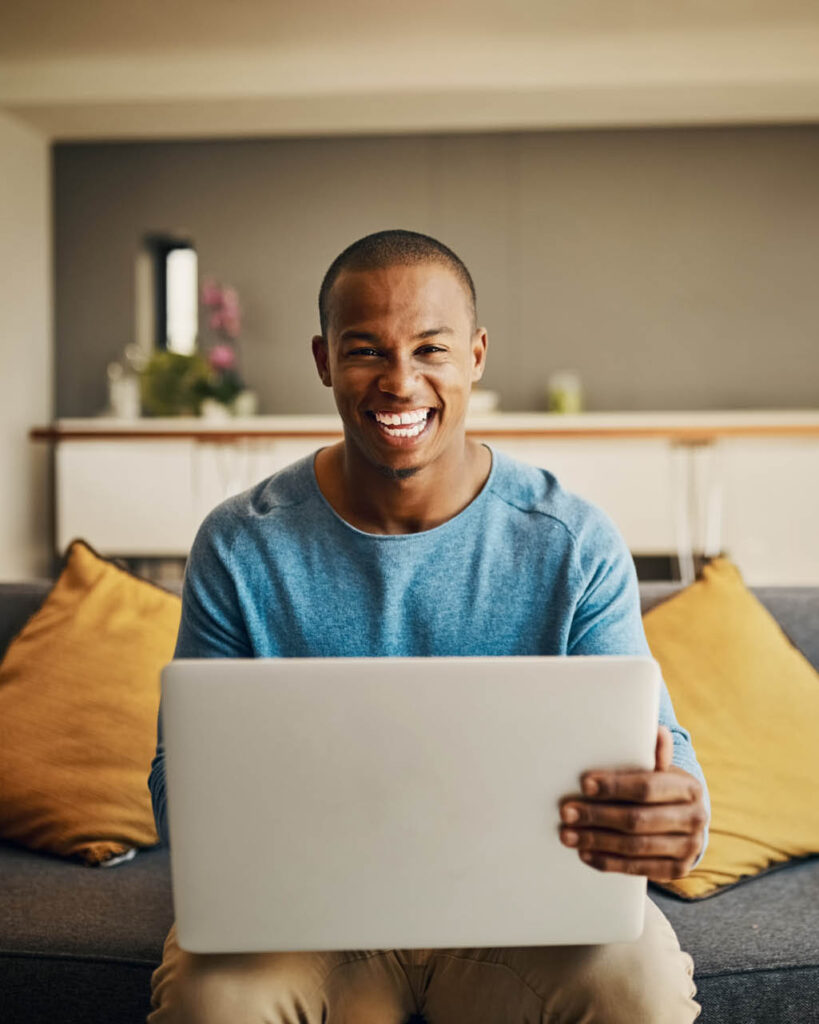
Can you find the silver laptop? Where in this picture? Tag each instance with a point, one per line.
(387, 803)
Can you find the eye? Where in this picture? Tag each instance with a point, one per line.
(362, 352)
(430, 349)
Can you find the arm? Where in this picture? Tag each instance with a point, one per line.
(211, 627)
(652, 823)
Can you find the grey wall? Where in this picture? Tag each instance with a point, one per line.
(674, 269)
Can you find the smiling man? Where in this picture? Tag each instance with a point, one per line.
(406, 539)
(401, 349)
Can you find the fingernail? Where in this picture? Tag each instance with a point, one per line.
(586, 857)
(570, 814)
(590, 787)
(570, 838)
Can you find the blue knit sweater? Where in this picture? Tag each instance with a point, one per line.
(525, 568)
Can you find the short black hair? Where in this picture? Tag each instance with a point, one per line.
(395, 247)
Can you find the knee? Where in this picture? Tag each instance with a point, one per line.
(642, 981)
(205, 996)
(218, 990)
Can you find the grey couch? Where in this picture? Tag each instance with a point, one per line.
(78, 944)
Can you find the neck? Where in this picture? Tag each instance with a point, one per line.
(377, 502)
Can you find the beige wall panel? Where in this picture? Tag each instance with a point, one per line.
(472, 198)
(674, 269)
(25, 349)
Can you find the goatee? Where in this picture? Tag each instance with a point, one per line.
(397, 474)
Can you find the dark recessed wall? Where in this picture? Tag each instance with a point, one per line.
(673, 269)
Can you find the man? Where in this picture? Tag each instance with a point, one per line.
(408, 538)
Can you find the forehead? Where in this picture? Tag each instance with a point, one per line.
(418, 292)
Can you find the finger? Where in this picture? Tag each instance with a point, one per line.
(658, 869)
(667, 787)
(642, 847)
(635, 818)
(664, 750)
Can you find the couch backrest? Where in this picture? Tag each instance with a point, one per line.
(18, 602)
(795, 608)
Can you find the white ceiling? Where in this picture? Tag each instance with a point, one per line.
(55, 28)
(198, 68)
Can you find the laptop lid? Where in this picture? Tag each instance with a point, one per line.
(395, 802)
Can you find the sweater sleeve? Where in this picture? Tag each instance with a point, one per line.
(607, 620)
(211, 626)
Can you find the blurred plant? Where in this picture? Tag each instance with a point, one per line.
(224, 313)
(172, 384)
(224, 318)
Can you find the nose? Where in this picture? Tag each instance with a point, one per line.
(398, 377)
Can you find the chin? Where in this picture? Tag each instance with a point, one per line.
(397, 474)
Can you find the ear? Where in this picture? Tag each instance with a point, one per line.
(479, 343)
(321, 354)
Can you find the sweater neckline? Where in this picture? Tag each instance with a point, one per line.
(455, 522)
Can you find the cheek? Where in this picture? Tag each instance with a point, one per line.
(352, 378)
(451, 377)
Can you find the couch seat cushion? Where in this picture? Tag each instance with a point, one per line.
(52, 906)
(83, 940)
(755, 946)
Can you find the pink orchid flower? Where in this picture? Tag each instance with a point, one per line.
(231, 325)
(224, 312)
(211, 292)
(230, 299)
(222, 357)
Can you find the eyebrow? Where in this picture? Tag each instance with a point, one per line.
(433, 331)
(352, 334)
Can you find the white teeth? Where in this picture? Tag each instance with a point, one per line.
(394, 418)
(405, 424)
(403, 432)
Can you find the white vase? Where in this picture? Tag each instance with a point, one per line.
(246, 403)
(123, 393)
(210, 409)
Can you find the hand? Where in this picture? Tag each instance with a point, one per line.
(640, 823)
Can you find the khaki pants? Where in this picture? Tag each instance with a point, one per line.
(648, 981)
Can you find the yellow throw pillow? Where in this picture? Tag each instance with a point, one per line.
(79, 692)
(750, 700)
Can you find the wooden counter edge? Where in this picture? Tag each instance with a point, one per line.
(687, 435)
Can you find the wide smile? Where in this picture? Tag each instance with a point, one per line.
(403, 428)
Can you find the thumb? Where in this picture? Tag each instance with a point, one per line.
(664, 750)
